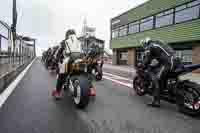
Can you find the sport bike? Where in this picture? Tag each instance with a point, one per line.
(184, 93)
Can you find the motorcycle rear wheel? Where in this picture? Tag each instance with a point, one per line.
(188, 101)
(81, 97)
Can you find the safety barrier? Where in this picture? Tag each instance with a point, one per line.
(8, 77)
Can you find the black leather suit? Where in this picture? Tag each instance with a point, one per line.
(165, 56)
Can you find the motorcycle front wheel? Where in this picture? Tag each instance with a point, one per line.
(138, 86)
(188, 99)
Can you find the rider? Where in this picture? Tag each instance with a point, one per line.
(165, 56)
(69, 50)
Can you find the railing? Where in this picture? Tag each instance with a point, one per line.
(11, 58)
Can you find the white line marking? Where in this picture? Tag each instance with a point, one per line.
(119, 68)
(119, 82)
(117, 76)
(6, 93)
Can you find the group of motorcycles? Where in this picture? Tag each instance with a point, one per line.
(79, 83)
(83, 71)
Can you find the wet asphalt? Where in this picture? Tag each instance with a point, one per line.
(116, 109)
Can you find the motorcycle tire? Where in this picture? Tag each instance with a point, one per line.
(189, 89)
(138, 87)
(99, 76)
(84, 89)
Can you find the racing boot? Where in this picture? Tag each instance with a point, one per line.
(155, 103)
(56, 94)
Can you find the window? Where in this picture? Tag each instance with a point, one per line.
(134, 27)
(123, 31)
(146, 24)
(184, 55)
(115, 33)
(180, 8)
(164, 18)
(186, 13)
(123, 55)
(194, 3)
(4, 44)
(187, 56)
(3, 31)
(140, 56)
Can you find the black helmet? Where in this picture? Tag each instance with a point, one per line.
(69, 32)
(62, 43)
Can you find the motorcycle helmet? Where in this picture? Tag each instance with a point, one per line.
(69, 32)
(145, 42)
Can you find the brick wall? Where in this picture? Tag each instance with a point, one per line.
(196, 56)
(131, 56)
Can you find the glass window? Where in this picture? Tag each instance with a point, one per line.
(123, 31)
(194, 3)
(3, 31)
(180, 8)
(124, 56)
(115, 33)
(4, 44)
(164, 20)
(134, 27)
(146, 19)
(146, 25)
(169, 12)
(184, 55)
(187, 14)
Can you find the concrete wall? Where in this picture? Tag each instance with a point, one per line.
(9, 77)
(196, 56)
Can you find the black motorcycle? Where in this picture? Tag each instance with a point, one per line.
(184, 93)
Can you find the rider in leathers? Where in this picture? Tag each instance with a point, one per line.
(165, 57)
(69, 50)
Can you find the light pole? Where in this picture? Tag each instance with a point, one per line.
(13, 27)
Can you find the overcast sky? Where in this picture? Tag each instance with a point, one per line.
(47, 20)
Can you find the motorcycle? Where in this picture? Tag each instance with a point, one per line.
(184, 93)
(96, 64)
(79, 82)
(51, 62)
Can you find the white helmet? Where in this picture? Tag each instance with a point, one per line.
(145, 42)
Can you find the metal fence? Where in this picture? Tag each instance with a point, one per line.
(11, 56)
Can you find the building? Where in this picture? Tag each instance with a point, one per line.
(87, 42)
(88, 38)
(5, 38)
(176, 22)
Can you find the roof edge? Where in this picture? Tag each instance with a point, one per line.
(130, 9)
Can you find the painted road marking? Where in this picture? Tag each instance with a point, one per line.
(118, 82)
(117, 76)
(119, 68)
(6, 93)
